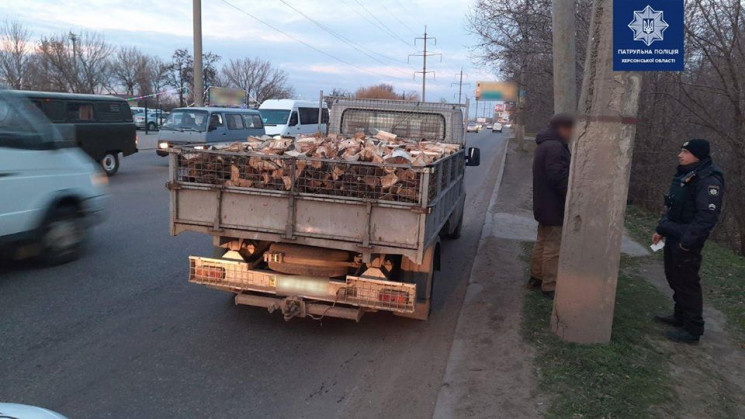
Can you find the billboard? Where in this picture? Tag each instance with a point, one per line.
(496, 90)
(227, 97)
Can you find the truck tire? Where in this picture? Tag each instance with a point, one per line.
(110, 163)
(424, 277)
(62, 236)
(454, 226)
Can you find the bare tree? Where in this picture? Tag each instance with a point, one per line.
(181, 74)
(75, 62)
(129, 69)
(157, 74)
(182, 66)
(15, 54)
(258, 78)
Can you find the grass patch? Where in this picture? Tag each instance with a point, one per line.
(722, 271)
(624, 378)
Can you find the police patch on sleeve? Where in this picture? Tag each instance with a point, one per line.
(713, 190)
(712, 207)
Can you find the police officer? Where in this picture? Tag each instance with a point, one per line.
(693, 206)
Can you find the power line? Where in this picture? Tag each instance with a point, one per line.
(303, 42)
(357, 47)
(380, 23)
(396, 18)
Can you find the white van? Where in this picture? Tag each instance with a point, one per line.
(51, 190)
(289, 117)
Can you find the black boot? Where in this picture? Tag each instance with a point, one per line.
(534, 283)
(682, 336)
(669, 320)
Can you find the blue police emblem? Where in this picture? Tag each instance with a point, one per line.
(648, 25)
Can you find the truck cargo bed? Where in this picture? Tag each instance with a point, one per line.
(314, 202)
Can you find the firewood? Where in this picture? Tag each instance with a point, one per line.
(384, 135)
(388, 181)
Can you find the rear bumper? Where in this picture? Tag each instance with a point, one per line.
(299, 296)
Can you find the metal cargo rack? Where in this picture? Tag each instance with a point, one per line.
(315, 202)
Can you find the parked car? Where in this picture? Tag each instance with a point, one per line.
(154, 120)
(497, 127)
(52, 192)
(100, 125)
(208, 125)
(289, 118)
(472, 127)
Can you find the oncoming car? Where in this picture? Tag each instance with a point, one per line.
(208, 125)
(52, 192)
(472, 127)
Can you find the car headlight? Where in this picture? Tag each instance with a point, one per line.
(163, 145)
(198, 147)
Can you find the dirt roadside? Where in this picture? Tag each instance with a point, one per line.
(708, 378)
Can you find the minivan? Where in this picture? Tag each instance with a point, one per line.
(208, 125)
(100, 125)
(290, 118)
(52, 192)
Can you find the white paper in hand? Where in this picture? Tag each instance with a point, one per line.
(655, 247)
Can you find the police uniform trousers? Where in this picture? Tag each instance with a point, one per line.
(681, 271)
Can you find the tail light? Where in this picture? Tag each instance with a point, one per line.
(395, 297)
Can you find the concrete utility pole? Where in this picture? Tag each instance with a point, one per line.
(460, 87)
(520, 120)
(198, 77)
(565, 79)
(424, 56)
(598, 188)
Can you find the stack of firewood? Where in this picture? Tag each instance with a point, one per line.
(380, 167)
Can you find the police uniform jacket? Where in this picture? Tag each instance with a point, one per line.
(693, 204)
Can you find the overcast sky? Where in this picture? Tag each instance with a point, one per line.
(379, 53)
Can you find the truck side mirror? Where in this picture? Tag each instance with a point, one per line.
(473, 158)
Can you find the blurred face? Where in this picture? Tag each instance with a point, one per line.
(565, 132)
(685, 158)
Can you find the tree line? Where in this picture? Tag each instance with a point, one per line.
(84, 62)
(707, 100)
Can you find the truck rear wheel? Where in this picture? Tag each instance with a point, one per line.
(454, 226)
(424, 277)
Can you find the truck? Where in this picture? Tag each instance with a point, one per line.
(337, 253)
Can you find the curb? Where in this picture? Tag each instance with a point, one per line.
(444, 405)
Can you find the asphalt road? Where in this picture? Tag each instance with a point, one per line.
(121, 333)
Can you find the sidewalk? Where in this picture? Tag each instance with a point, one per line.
(490, 371)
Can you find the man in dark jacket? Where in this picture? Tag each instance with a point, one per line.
(693, 206)
(550, 181)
